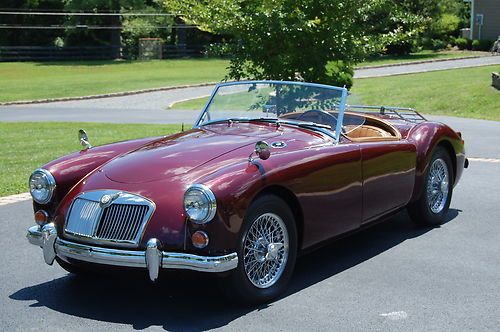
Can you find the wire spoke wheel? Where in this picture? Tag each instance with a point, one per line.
(438, 186)
(265, 251)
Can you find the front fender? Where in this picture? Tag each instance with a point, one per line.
(70, 169)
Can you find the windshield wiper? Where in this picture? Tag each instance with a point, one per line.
(324, 129)
(290, 122)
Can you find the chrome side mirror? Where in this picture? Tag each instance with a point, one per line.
(262, 150)
(84, 139)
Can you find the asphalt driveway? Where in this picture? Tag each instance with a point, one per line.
(392, 277)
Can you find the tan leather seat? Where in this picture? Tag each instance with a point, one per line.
(368, 131)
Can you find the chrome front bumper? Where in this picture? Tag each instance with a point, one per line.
(153, 258)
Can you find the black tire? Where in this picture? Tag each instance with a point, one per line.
(71, 268)
(420, 211)
(238, 285)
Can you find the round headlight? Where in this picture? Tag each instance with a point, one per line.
(200, 204)
(42, 185)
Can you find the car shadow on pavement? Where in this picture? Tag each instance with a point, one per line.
(191, 301)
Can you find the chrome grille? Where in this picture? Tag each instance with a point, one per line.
(119, 221)
(84, 218)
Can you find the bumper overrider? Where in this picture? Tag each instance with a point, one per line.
(152, 258)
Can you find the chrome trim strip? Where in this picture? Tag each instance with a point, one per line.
(150, 259)
(340, 116)
(34, 236)
(82, 252)
(153, 258)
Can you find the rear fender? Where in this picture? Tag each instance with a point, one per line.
(426, 137)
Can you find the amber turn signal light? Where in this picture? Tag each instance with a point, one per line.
(41, 217)
(199, 239)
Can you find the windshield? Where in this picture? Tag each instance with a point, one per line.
(307, 103)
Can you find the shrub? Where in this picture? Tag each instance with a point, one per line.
(482, 45)
(485, 44)
(461, 43)
(446, 25)
(401, 47)
(438, 44)
(475, 45)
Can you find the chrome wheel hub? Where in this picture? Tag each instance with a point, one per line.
(437, 186)
(265, 250)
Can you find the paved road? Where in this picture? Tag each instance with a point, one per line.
(430, 66)
(152, 107)
(148, 107)
(393, 277)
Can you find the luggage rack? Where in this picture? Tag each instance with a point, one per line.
(405, 114)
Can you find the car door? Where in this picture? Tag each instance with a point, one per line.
(331, 193)
(388, 176)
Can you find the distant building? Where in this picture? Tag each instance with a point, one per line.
(485, 19)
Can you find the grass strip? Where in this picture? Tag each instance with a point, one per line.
(25, 146)
(458, 92)
(31, 80)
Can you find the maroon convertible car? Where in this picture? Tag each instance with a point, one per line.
(269, 169)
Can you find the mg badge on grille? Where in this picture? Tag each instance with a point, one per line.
(107, 200)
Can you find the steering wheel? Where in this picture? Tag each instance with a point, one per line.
(322, 116)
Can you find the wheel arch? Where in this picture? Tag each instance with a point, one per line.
(293, 203)
(427, 137)
(445, 144)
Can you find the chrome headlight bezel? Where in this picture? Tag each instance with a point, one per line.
(49, 185)
(209, 203)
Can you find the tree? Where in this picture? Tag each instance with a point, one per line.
(313, 40)
(29, 37)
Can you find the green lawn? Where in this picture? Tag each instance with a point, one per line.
(26, 146)
(415, 57)
(459, 92)
(33, 80)
(29, 80)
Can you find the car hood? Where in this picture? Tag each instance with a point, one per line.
(179, 154)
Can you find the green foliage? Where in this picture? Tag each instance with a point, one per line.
(404, 26)
(136, 27)
(475, 45)
(396, 26)
(482, 45)
(30, 37)
(438, 44)
(285, 39)
(444, 26)
(99, 37)
(461, 43)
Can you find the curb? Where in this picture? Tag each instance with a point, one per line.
(14, 198)
(106, 95)
(184, 100)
